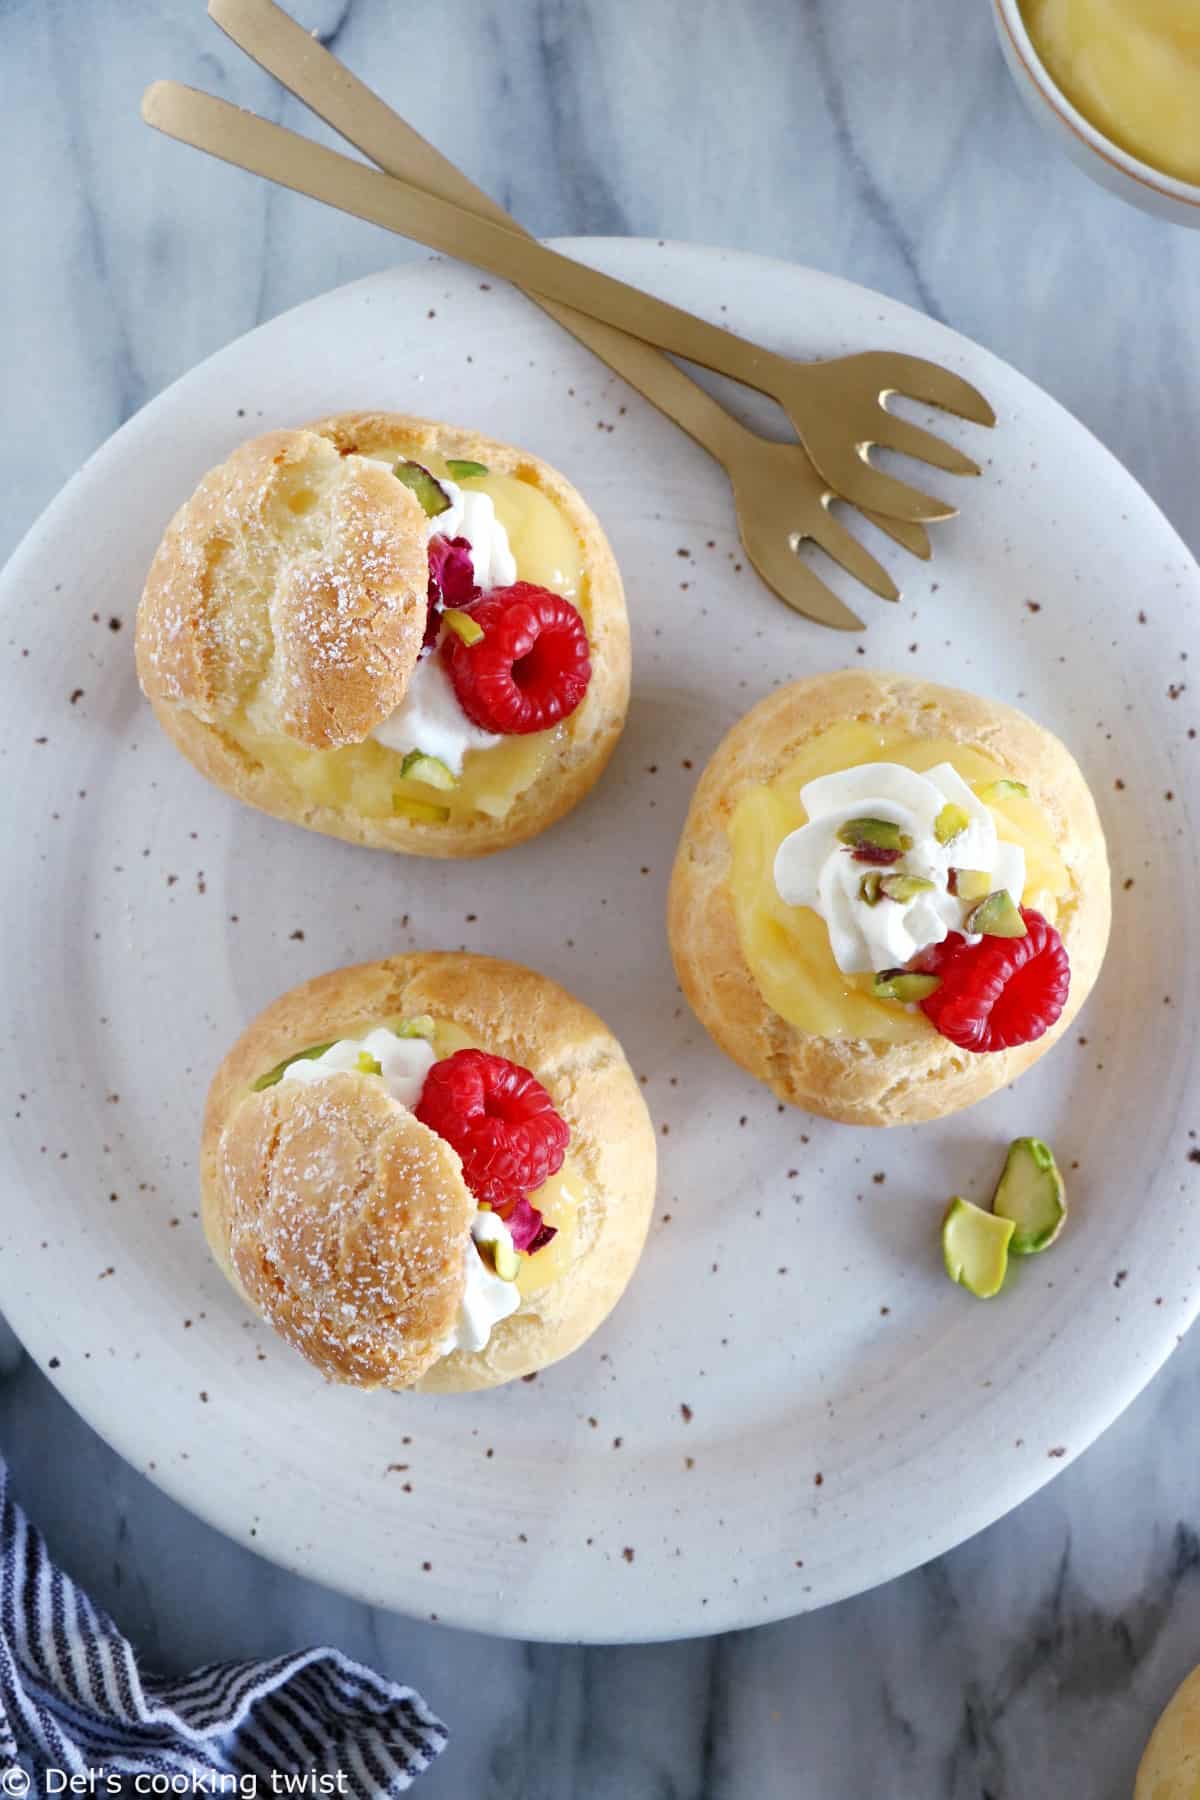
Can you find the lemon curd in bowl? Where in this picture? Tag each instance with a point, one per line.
(787, 948)
(1132, 69)
(365, 778)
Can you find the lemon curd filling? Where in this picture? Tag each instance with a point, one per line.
(365, 778)
(1133, 68)
(787, 947)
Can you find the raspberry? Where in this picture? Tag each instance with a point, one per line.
(531, 667)
(501, 1121)
(1001, 991)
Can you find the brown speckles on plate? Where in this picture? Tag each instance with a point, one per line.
(628, 1553)
(1058, 1451)
(685, 1412)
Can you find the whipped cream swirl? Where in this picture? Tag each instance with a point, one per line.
(814, 869)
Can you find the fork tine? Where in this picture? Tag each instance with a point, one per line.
(796, 584)
(832, 537)
(913, 440)
(928, 381)
(854, 478)
(910, 535)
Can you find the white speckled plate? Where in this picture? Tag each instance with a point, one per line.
(792, 1403)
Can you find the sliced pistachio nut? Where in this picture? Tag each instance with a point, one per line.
(869, 890)
(904, 887)
(1004, 789)
(462, 625)
(505, 1261)
(461, 468)
(426, 487)
(429, 769)
(422, 1026)
(970, 884)
(1032, 1194)
(368, 1064)
(975, 1248)
(905, 985)
(997, 916)
(278, 1072)
(950, 823)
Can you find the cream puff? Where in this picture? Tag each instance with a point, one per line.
(392, 631)
(431, 1172)
(890, 898)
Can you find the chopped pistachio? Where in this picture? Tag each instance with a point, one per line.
(970, 884)
(1032, 1194)
(1004, 789)
(426, 487)
(462, 625)
(368, 1064)
(975, 1248)
(868, 888)
(875, 835)
(950, 823)
(461, 468)
(906, 985)
(422, 1026)
(904, 887)
(431, 770)
(506, 1261)
(277, 1073)
(997, 916)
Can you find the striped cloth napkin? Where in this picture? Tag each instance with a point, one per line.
(73, 1702)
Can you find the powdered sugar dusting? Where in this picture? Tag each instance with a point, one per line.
(348, 1223)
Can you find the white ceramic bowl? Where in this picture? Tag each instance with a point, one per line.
(1103, 160)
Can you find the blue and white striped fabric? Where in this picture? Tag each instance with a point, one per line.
(74, 1702)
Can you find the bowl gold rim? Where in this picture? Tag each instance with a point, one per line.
(1168, 187)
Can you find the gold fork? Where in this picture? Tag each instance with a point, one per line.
(855, 385)
(781, 500)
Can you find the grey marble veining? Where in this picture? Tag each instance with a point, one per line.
(884, 143)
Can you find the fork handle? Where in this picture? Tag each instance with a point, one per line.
(331, 91)
(295, 162)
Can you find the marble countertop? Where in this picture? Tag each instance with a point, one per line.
(889, 146)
